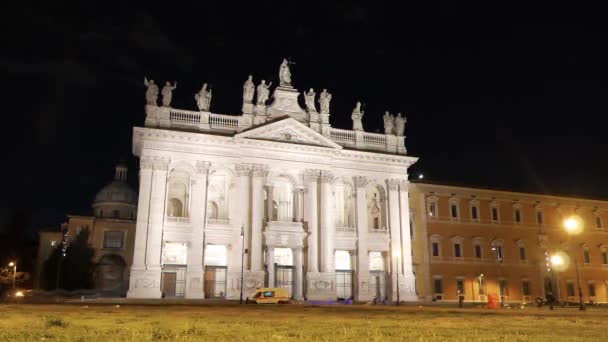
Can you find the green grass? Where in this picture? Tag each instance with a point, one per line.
(295, 322)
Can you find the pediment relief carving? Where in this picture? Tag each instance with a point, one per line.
(288, 130)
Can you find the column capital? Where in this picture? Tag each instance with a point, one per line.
(161, 163)
(327, 177)
(393, 184)
(202, 166)
(360, 181)
(260, 170)
(146, 163)
(404, 184)
(311, 175)
(243, 169)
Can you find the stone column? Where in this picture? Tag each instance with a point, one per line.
(363, 292)
(270, 264)
(408, 285)
(198, 208)
(269, 202)
(310, 215)
(300, 205)
(141, 228)
(152, 278)
(327, 223)
(298, 281)
(243, 173)
(395, 231)
(257, 214)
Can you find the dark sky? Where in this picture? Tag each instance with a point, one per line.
(492, 98)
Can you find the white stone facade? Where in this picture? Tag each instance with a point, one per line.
(324, 211)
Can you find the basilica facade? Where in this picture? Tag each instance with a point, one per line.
(273, 197)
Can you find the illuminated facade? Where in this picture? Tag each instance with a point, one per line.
(321, 211)
(477, 242)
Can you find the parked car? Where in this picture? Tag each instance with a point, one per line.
(271, 296)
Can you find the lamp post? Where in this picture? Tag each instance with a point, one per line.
(242, 260)
(396, 253)
(13, 264)
(500, 288)
(574, 225)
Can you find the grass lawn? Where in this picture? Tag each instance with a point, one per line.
(295, 322)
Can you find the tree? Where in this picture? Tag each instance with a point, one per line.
(77, 266)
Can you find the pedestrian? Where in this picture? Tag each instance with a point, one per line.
(550, 300)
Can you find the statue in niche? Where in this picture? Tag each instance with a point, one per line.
(285, 74)
(324, 99)
(263, 93)
(400, 125)
(248, 90)
(309, 100)
(373, 208)
(203, 98)
(167, 93)
(357, 116)
(389, 123)
(151, 92)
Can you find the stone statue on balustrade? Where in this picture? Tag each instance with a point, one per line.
(309, 100)
(203, 98)
(263, 93)
(167, 93)
(151, 92)
(248, 90)
(357, 116)
(284, 74)
(324, 99)
(389, 123)
(400, 125)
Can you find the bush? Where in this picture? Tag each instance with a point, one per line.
(55, 322)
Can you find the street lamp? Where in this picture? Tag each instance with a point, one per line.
(574, 225)
(14, 266)
(396, 254)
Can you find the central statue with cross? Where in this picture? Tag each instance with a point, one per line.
(285, 73)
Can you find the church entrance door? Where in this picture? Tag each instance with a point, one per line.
(284, 278)
(169, 280)
(215, 281)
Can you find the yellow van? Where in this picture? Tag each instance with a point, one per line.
(271, 296)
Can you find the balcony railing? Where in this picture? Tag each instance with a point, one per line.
(178, 220)
(379, 231)
(346, 229)
(218, 221)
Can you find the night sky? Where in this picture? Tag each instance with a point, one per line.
(492, 99)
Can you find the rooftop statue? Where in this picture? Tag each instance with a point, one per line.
(309, 100)
(151, 92)
(284, 74)
(248, 90)
(167, 93)
(389, 123)
(324, 100)
(263, 92)
(203, 98)
(400, 125)
(356, 117)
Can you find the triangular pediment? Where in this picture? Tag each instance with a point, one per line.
(288, 130)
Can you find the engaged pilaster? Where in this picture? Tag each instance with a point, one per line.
(327, 223)
(363, 292)
(407, 287)
(311, 178)
(396, 256)
(260, 172)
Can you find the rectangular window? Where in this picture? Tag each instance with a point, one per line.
(454, 210)
(115, 214)
(457, 250)
(504, 289)
(460, 286)
(570, 289)
(433, 210)
(495, 214)
(598, 222)
(478, 251)
(498, 252)
(539, 217)
(605, 258)
(591, 290)
(113, 239)
(525, 286)
(517, 215)
(522, 254)
(474, 213)
(438, 285)
(586, 257)
(435, 249)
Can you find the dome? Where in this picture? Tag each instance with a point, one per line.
(117, 191)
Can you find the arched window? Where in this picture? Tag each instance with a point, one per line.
(212, 210)
(178, 195)
(282, 196)
(344, 209)
(217, 197)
